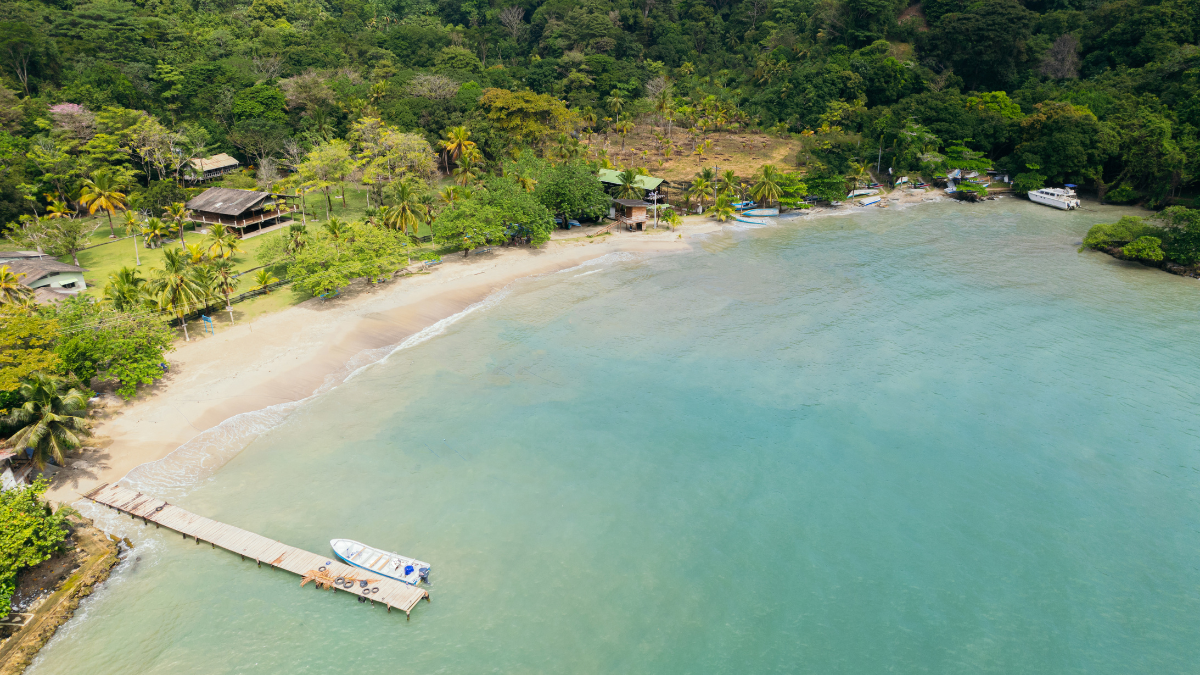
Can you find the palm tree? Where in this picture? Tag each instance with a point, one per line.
(628, 189)
(123, 290)
(226, 282)
(722, 209)
(52, 420)
(727, 183)
(262, 279)
(177, 213)
(615, 103)
(222, 242)
(100, 192)
(700, 190)
(450, 194)
(133, 225)
(465, 174)
(12, 291)
(527, 183)
(195, 253)
(858, 174)
(662, 103)
(206, 280)
(155, 230)
(297, 238)
(58, 209)
(405, 215)
(766, 189)
(175, 288)
(336, 229)
(623, 130)
(456, 142)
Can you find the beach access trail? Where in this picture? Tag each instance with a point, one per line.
(288, 355)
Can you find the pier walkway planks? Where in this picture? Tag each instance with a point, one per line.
(249, 545)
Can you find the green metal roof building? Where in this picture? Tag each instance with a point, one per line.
(612, 177)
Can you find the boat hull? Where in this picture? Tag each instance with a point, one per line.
(376, 561)
(752, 221)
(1061, 203)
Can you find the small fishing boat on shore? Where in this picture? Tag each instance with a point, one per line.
(390, 565)
(761, 212)
(753, 221)
(869, 201)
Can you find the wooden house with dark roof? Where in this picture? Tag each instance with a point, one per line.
(246, 210)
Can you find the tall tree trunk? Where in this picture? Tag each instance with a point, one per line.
(112, 233)
(183, 323)
(328, 203)
(343, 187)
(229, 308)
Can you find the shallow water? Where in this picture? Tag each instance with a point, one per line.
(930, 440)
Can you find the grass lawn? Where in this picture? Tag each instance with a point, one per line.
(110, 257)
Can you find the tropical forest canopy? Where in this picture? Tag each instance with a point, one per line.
(1093, 92)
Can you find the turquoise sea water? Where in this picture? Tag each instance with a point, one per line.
(933, 440)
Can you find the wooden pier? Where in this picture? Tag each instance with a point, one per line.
(391, 593)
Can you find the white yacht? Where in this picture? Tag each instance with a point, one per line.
(1060, 198)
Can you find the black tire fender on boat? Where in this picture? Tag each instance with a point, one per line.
(339, 581)
(366, 591)
(375, 590)
(321, 568)
(363, 583)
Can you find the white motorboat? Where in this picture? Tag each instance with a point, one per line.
(390, 565)
(1060, 198)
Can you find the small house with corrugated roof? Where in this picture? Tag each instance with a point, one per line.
(207, 168)
(46, 272)
(611, 178)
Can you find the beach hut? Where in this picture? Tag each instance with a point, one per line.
(611, 178)
(630, 212)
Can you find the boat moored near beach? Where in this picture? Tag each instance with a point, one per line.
(1060, 198)
(391, 565)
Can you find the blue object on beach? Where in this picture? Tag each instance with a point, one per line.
(573, 223)
(408, 569)
(1070, 185)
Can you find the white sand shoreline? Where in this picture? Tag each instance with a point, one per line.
(291, 355)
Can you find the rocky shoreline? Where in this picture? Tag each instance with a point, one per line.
(1164, 265)
(99, 555)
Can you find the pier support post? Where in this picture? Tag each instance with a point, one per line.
(407, 616)
(259, 562)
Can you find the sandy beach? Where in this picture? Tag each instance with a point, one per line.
(287, 355)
